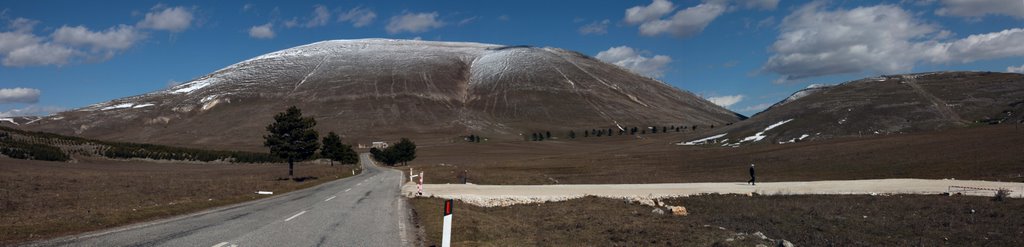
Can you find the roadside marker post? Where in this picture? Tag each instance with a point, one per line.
(446, 238)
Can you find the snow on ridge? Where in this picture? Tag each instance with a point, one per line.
(702, 141)
(760, 135)
(117, 106)
(143, 106)
(7, 119)
(194, 85)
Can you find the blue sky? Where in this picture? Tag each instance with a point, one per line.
(745, 55)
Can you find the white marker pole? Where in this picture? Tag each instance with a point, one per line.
(446, 237)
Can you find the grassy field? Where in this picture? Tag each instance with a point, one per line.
(41, 199)
(730, 220)
(987, 152)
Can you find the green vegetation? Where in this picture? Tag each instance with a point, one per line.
(292, 137)
(334, 150)
(402, 151)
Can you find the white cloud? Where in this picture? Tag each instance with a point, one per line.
(320, 17)
(755, 108)
(979, 8)
(174, 19)
(1018, 69)
(22, 25)
(726, 101)
(414, 23)
(19, 95)
(686, 22)
(466, 21)
(883, 38)
(265, 31)
(654, 11)
(294, 22)
(32, 110)
(359, 17)
(39, 55)
(10, 41)
(632, 60)
(596, 27)
(504, 18)
(114, 38)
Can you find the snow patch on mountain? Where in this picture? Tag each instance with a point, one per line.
(760, 135)
(702, 141)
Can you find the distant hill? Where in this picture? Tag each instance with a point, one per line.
(883, 105)
(375, 89)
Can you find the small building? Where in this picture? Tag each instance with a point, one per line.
(380, 145)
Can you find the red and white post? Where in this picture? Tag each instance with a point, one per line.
(446, 238)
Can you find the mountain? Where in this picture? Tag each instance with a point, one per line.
(374, 89)
(883, 105)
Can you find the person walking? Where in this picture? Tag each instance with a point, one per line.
(752, 177)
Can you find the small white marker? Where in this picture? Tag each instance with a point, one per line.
(221, 244)
(296, 215)
(328, 199)
(346, 190)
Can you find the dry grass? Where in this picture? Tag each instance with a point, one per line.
(919, 220)
(46, 199)
(988, 153)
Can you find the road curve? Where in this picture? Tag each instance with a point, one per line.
(363, 210)
(504, 195)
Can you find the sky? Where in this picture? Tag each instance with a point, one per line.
(741, 54)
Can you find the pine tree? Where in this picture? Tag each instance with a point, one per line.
(572, 135)
(332, 147)
(405, 150)
(292, 137)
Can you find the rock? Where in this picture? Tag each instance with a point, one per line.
(658, 211)
(784, 243)
(678, 210)
(760, 235)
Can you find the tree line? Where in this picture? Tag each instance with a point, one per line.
(602, 132)
(402, 151)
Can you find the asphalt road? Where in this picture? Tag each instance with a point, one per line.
(363, 210)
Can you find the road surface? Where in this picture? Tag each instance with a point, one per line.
(504, 195)
(363, 210)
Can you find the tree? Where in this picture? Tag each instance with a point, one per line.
(292, 137)
(388, 156)
(586, 134)
(405, 150)
(572, 135)
(332, 147)
(547, 134)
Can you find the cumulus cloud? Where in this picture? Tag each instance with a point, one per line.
(174, 19)
(19, 95)
(627, 57)
(20, 46)
(979, 8)
(265, 31)
(114, 38)
(596, 27)
(686, 22)
(359, 17)
(651, 12)
(814, 42)
(39, 55)
(414, 23)
(726, 101)
(683, 23)
(1018, 69)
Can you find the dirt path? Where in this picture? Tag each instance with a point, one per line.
(504, 195)
(939, 104)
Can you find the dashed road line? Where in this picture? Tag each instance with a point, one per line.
(346, 190)
(296, 215)
(328, 199)
(221, 244)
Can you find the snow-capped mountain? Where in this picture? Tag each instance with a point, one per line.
(380, 89)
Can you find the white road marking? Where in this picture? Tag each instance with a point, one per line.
(360, 183)
(346, 190)
(328, 199)
(221, 244)
(296, 215)
(233, 245)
